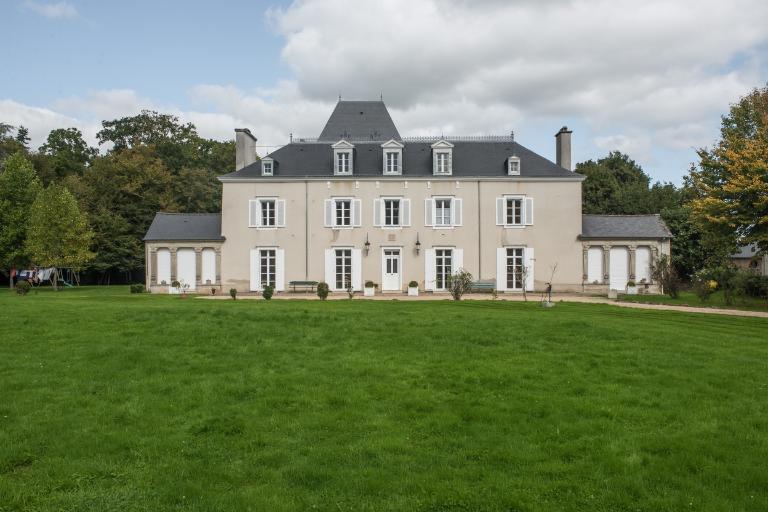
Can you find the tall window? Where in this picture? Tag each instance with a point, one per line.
(443, 212)
(443, 267)
(393, 162)
(442, 163)
(515, 268)
(267, 267)
(268, 212)
(343, 268)
(391, 212)
(343, 212)
(342, 163)
(514, 211)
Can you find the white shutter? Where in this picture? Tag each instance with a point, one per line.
(501, 269)
(456, 212)
(357, 271)
(529, 211)
(377, 204)
(450, 162)
(500, 211)
(434, 162)
(429, 269)
(330, 268)
(405, 212)
(458, 260)
(163, 266)
(253, 213)
(280, 270)
(428, 221)
(329, 213)
(255, 271)
(281, 213)
(528, 262)
(356, 206)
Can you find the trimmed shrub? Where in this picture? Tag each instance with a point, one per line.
(176, 284)
(371, 284)
(413, 284)
(138, 288)
(233, 293)
(459, 284)
(322, 290)
(23, 287)
(267, 292)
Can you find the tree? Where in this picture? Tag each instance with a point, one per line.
(459, 284)
(67, 151)
(58, 234)
(22, 137)
(8, 143)
(19, 187)
(730, 182)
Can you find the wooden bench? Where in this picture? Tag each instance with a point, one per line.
(308, 286)
(483, 286)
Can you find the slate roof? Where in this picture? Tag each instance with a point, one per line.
(624, 226)
(184, 226)
(470, 159)
(360, 121)
(746, 251)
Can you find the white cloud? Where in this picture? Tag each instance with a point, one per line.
(51, 10)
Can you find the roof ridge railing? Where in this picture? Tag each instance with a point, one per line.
(421, 138)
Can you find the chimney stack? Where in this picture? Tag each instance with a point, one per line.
(245, 148)
(563, 148)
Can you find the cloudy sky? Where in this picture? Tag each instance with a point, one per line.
(648, 78)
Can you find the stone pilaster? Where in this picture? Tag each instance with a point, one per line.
(152, 266)
(606, 263)
(198, 265)
(173, 265)
(632, 249)
(584, 262)
(218, 266)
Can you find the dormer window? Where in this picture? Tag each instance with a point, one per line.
(442, 158)
(267, 167)
(393, 157)
(513, 166)
(343, 153)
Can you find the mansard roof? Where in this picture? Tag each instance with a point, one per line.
(624, 226)
(167, 227)
(359, 121)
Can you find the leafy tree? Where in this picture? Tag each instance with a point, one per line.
(8, 143)
(67, 152)
(19, 187)
(689, 252)
(22, 137)
(58, 234)
(730, 182)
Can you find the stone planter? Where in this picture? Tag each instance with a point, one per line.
(413, 291)
(631, 290)
(369, 292)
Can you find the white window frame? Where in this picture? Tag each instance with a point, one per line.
(343, 148)
(526, 211)
(279, 210)
(521, 276)
(355, 213)
(392, 147)
(442, 153)
(513, 166)
(267, 163)
(336, 202)
(456, 212)
(452, 271)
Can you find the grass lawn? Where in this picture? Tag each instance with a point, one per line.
(716, 300)
(111, 401)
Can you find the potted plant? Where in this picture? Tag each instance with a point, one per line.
(370, 289)
(413, 289)
(631, 288)
(322, 290)
(175, 287)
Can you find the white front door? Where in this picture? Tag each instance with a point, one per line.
(390, 280)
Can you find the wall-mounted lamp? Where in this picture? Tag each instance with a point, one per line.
(418, 244)
(367, 245)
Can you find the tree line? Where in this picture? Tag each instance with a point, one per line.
(70, 204)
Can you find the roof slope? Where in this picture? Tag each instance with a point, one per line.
(359, 121)
(624, 226)
(746, 251)
(470, 159)
(184, 226)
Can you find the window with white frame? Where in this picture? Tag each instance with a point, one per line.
(267, 167)
(266, 212)
(268, 267)
(342, 162)
(443, 267)
(442, 165)
(443, 211)
(442, 157)
(343, 268)
(514, 268)
(513, 166)
(343, 154)
(392, 152)
(392, 212)
(343, 212)
(514, 211)
(393, 162)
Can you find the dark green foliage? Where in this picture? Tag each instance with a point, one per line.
(756, 286)
(688, 246)
(137, 288)
(68, 153)
(233, 293)
(322, 290)
(207, 405)
(23, 287)
(413, 284)
(267, 292)
(665, 273)
(459, 284)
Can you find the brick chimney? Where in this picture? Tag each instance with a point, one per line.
(563, 148)
(245, 148)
